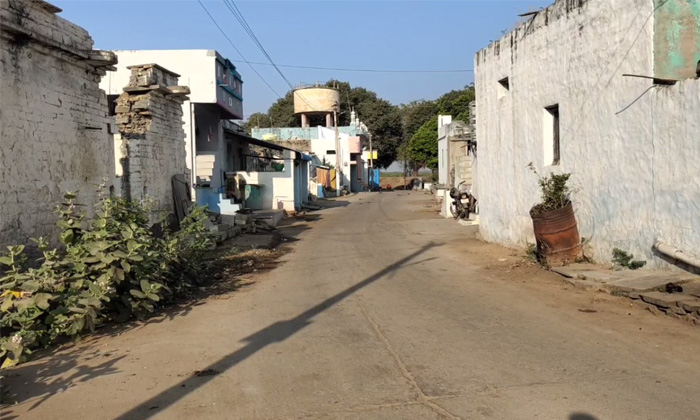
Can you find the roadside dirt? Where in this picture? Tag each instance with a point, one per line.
(617, 314)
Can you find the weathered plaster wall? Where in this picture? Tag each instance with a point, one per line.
(676, 38)
(632, 148)
(152, 139)
(54, 134)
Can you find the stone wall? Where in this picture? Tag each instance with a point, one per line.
(151, 136)
(55, 132)
(631, 145)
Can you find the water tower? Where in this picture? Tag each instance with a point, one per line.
(316, 100)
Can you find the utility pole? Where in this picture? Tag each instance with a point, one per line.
(371, 163)
(338, 163)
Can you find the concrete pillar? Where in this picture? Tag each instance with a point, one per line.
(329, 120)
(304, 120)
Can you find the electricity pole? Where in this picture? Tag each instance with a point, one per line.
(338, 163)
(371, 163)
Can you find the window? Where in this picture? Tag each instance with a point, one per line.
(218, 71)
(330, 152)
(112, 104)
(552, 154)
(503, 87)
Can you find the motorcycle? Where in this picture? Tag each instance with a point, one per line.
(463, 202)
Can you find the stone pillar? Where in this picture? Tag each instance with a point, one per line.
(329, 120)
(152, 150)
(304, 120)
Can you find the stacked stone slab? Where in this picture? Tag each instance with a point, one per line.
(55, 133)
(151, 141)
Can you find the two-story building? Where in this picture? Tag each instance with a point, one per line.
(216, 97)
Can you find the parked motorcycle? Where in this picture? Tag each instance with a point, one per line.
(463, 202)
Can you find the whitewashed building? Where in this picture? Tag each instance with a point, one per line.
(607, 91)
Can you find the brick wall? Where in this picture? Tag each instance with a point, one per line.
(152, 138)
(55, 129)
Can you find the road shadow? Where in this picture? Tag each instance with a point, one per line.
(274, 333)
(582, 416)
(331, 202)
(51, 375)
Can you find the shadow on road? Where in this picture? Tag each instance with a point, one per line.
(48, 377)
(274, 333)
(582, 416)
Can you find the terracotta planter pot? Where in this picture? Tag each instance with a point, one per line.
(556, 233)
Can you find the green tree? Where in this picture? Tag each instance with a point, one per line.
(422, 149)
(257, 120)
(415, 114)
(456, 103)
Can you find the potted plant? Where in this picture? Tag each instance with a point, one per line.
(554, 222)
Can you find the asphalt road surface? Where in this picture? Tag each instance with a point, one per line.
(382, 310)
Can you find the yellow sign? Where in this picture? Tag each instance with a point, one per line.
(373, 155)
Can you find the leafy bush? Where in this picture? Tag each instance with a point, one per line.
(624, 259)
(110, 268)
(555, 192)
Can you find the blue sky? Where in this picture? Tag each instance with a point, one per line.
(405, 35)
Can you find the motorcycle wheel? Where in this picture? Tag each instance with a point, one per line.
(455, 211)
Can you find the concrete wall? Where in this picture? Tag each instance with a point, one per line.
(632, 148)
(278, 187)
(197, 69)
(454, 162)
(55, 134)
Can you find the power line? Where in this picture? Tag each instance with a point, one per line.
(293, 66)
(231, 5)
(233, 8)
(236, 48)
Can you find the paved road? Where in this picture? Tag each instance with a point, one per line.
(382, 312)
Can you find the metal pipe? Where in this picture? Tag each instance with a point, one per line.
(676, 254)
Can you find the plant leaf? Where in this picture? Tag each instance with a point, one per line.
(30, 286)
(153, 297)
(6, 304)
(145, 285)
(42, 300)
(137, 293)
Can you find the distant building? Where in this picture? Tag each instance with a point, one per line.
(319, 103)
(606, 91)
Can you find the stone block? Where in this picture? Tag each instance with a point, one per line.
(662, 300)
(690, 304)
(633, 281)
(676, 310)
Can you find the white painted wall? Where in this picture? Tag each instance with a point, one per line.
(634, 164)
(197, 69)
(54, 134)
(278, 187)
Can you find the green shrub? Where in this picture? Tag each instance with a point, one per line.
(555, 192)
(110, 268)
(623, 259)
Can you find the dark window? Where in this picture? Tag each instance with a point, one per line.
(554, 112)
(330, 152)
(112, 104)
